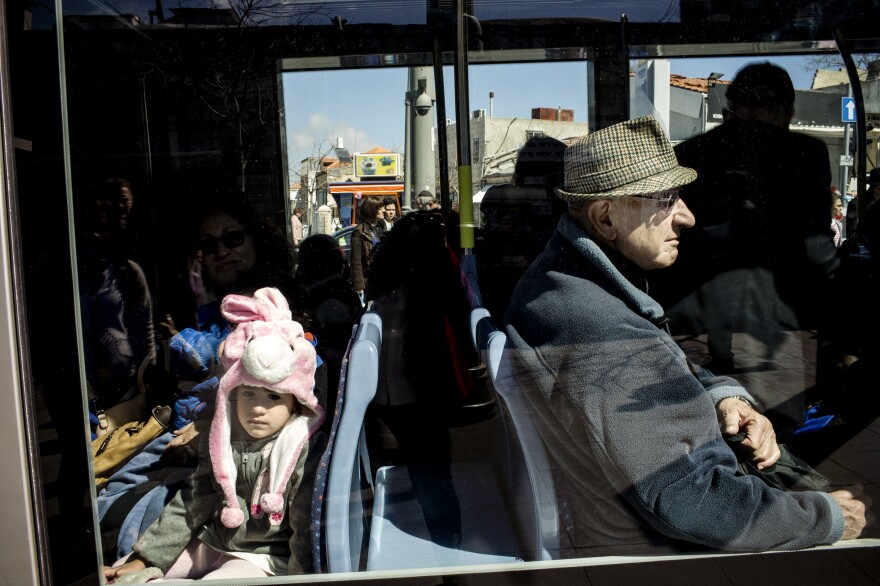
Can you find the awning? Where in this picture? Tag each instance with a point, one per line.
(368, 188)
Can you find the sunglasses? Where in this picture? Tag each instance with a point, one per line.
(210, 244)
(665, 200)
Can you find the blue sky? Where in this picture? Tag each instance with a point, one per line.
(366, 107)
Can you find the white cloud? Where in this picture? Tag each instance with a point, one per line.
(319, 135)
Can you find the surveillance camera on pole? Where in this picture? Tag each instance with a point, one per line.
(423, 104)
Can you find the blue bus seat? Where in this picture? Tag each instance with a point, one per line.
(349, 479)
(487, 339)
(527, 467)
(399, 537)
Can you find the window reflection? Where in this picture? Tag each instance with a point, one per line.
(193, 123)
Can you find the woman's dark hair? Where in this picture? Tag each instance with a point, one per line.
(415, 251)
(274, 252)
(273, 262)
(320, 257)
(369, 210)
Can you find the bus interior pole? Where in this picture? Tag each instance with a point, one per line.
(861, 121)
(440, 94)
(407, 149)
(463, 130)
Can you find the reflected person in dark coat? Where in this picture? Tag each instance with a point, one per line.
(760, 256)
(424, 361)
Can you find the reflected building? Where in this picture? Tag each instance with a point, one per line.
(496, 143)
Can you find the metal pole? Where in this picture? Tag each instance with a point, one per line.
(844, 169)
(861, 121)
(442, 130)
(463, 129)
(421, 85)
(407, 151)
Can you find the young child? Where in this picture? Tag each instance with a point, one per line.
(245, 511)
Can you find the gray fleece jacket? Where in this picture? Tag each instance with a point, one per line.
(195, 512)
(629, 423)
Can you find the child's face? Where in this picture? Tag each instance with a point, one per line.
(262, 412)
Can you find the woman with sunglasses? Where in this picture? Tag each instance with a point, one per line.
(227, 249)
(233, 242)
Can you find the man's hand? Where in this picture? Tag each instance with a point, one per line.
(734, 414)
(134, 565)
(853, 513)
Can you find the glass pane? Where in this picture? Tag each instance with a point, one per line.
(658, 11)
(212, 151)
(758, 266)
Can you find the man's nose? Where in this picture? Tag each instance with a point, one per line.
(682, 215)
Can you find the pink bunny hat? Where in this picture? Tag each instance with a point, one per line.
(266, 349)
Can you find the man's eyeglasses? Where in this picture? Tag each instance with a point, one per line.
(665, 200)
(210, 244)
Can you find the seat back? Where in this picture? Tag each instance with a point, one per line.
(487, 339)
(531, 482)
(349, 481)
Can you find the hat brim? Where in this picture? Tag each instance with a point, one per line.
(660, 182)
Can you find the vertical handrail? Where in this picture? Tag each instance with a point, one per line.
(861, 121)
(440, 94)
(463, 129)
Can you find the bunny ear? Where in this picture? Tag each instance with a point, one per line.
(235, 343)
(274, 304)
(238, 309)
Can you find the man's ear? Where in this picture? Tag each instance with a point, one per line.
(599, 217)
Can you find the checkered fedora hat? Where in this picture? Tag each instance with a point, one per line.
(630, 158)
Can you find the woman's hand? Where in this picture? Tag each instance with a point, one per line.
(135, 564)
(184, 446)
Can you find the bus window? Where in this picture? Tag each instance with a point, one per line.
(185, 136)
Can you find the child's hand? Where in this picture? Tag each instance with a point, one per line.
(135, 565)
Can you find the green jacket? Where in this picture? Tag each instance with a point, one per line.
(195, 512)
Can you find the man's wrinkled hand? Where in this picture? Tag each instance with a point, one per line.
(853, 513)
(760, 447)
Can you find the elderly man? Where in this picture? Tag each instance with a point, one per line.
(425, 201)
(630, 425)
